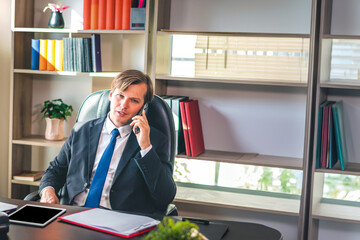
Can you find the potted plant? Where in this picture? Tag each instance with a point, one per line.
(55, 112)
(181, 230)
(56, 18)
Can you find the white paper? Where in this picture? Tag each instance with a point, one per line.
(120, 223)
(6, 206)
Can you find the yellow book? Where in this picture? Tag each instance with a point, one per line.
(50, 55)
(59, 55)
(43, 55)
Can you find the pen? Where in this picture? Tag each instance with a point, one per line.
(195, 220)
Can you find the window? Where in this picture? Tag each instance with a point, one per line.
(341, 187)
(250, 58)
(345, 59)
(237, 177)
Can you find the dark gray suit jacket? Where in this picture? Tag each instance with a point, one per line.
(143, 185)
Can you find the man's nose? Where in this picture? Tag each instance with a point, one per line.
(125, 103)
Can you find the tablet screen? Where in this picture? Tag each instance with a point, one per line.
(35, 215)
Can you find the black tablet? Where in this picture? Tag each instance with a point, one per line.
(35, 215)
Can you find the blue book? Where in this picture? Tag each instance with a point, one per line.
(96, 52)
(35, 46)
(338, 115)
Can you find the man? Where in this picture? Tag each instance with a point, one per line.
(139, 175)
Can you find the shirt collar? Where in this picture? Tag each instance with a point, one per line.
(124, 130)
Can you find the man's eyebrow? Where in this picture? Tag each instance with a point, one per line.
(134, 98)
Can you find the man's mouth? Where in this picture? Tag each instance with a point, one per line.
(121, 113)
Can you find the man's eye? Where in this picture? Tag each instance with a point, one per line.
(135, 101)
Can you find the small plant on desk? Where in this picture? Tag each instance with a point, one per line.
(181, 230)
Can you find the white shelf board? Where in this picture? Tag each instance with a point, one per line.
(341, 84)
(238, 201)
(232, 80)
(61, 73)
(335, 212)
(30, 183)
(39, 141)
(248, 159)
(66, 30)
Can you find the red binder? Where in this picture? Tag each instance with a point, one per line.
(102, 14)
(126, 14)
(110, 14)
(185, 128)
(87, 14)
(118, 14)
(94, 16)
(193, 118)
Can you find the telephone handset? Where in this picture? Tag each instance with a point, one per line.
(144, 107)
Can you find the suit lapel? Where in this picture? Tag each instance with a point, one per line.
(94, 136)
(130, 150)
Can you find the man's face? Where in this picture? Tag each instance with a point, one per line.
(125, 105)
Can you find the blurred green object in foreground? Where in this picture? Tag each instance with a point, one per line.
(181, 230)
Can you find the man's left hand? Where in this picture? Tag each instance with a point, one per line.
(143, 136)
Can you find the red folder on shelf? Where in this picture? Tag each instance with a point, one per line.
(119, 14)
(94, 17)
(193, 119)
(185, 128)
(116, 223)
(102, 14)
(126, 14)
(110, 14)
(87, 14)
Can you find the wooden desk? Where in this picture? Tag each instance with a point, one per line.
(64, 231)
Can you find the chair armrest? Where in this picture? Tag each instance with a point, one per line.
(33, 196)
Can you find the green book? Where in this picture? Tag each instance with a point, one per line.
(338, 115)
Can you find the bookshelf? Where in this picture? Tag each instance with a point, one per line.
(251, 121)
(120, 49)
(233, 107)
(335, 85)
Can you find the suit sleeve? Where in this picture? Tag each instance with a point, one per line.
(55, 174)
(158, 172)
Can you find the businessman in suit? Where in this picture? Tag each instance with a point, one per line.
(139, 175)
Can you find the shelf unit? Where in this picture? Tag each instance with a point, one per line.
(334, 26)
(120, 49)
(271, 123)
(214, 93)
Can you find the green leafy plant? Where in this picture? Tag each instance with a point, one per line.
(181, 230)
(56, 109)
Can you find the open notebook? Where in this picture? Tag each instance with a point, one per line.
(117, 223)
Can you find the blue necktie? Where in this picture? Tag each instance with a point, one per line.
(97, 184)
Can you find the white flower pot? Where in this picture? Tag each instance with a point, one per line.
(54, 129)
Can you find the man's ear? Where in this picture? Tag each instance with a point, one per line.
(110, 94)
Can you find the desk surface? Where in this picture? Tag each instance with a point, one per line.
(61, 230)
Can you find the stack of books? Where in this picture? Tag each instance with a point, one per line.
(331, 144)
(68, 54)
(29, 176)
(188, 128)
(47, 54)
(109, 14)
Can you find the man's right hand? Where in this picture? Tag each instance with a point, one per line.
(48, 196)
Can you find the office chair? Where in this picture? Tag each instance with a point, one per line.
(159, 116)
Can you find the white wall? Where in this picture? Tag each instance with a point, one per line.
(5, 52)
(264, 16)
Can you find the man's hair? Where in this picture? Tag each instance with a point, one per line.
(131, 77)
